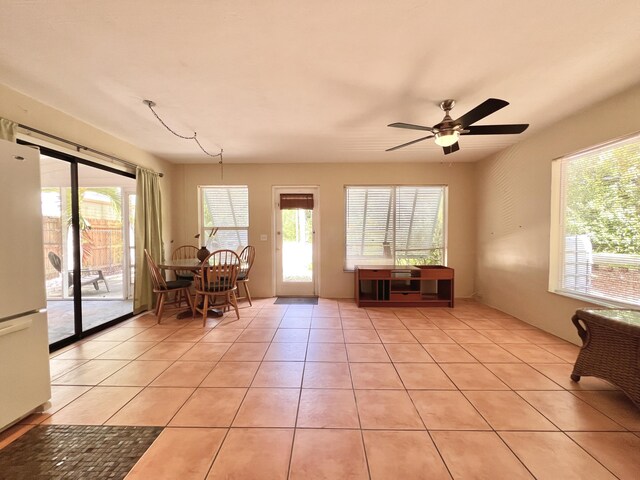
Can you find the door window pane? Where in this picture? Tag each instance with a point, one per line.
(104, 217)
(55, 179)
(297, 245)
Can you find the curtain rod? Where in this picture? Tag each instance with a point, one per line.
(82, 147)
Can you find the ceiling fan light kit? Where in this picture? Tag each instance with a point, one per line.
(447, 138)
(448, 131)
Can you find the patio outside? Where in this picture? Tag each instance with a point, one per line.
(106, 219)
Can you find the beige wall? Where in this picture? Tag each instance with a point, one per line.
(504, 258)
(27, 111)
(331, 178)
(514, 189)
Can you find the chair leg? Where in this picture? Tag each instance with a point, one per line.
(160, 306)
(187, 297)
(101, 277)
(234, 302)
(205, 308)
(246, 289)
(195, 305)
(157, 307)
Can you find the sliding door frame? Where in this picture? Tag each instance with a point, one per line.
(79, 332)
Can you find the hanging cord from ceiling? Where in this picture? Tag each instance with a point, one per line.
(194, 137)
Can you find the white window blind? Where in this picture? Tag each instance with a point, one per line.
(599, 244)
(401, 225)
(227, 209)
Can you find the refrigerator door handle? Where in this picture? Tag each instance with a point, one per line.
(16, 327)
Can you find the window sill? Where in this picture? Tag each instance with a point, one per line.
(603, 302)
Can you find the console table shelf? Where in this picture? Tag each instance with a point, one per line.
(404, 286)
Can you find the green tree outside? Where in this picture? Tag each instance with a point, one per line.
(603, 199)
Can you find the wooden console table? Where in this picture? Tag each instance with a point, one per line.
(403, 286)
(610, 348)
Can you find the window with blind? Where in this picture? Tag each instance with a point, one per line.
(224, 217)
(598, 234)
(395, 225)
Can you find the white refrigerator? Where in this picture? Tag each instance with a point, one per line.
(24, 345)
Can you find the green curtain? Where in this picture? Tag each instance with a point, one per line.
(8, 129)
(148, 235)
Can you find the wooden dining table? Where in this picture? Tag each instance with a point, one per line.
(192, 265)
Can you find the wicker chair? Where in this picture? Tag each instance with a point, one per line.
(610, 348)
(247, 256)
(217, 278)
(161, 288)
(182, 253)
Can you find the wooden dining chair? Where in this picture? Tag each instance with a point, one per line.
(161, 288)
(217, 279)
(183, 253)
(247, 256)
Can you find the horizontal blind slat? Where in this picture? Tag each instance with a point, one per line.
(389, 224)
(225, 208)
(228, 206)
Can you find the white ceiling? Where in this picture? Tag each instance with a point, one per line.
(315, 80)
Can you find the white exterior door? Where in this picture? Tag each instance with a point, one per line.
(296, 244)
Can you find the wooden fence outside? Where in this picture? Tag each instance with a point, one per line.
(102, 245)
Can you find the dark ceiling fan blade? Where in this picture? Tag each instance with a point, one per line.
(495, 129)
(408, 143)
(452, 148)
(410, 126)
(485, 109)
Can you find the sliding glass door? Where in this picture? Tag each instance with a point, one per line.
(103, 220)
(58, 246)
(88, 216)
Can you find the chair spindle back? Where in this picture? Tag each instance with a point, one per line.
(156, 275)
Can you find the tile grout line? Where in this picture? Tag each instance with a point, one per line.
(295, 425)
(355, 398)
(490, 426)
(215, 457)
(560, 361)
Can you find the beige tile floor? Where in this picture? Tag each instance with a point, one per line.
(336, 392)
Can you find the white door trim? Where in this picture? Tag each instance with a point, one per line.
(275, 191)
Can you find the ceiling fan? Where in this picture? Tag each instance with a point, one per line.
(448, 131)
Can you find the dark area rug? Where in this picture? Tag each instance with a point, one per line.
(296, 301)
(75, 451)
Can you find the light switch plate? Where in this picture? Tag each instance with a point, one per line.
(263, 238)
